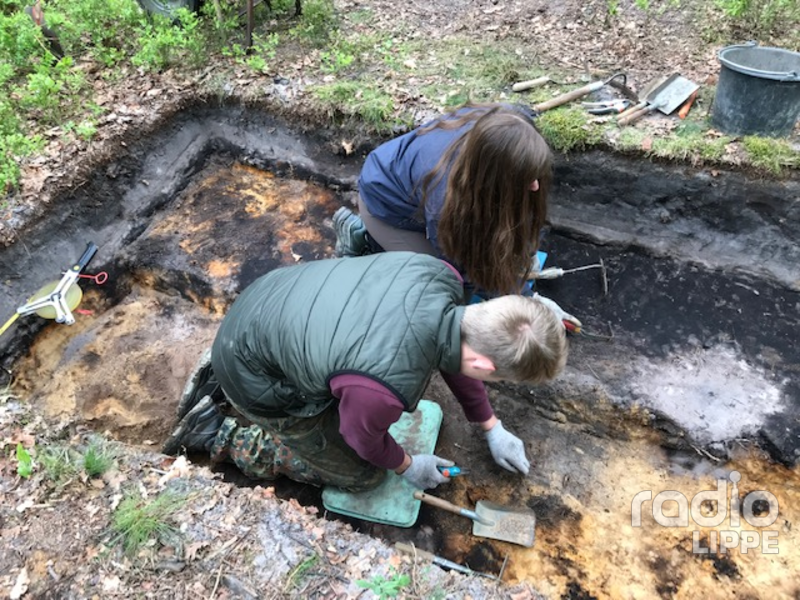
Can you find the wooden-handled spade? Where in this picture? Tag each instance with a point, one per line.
(666, 97)
(515, 525)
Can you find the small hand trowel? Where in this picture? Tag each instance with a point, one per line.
(515, 525)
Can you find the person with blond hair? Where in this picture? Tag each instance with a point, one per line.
(470, 187)
(321, 358)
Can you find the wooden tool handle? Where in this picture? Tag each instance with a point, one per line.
(687, 106)
(438, 502)
(635, 115)
(449, 506)
(413, 550)
(531, 83)
(568, 97)
(631, 109)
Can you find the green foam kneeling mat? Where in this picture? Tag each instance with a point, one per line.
(392, 502)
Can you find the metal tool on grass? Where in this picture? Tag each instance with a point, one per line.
(514, 525)
(649, 92)
(438, 560)
(606, 108)
(57, 300)
(555, 272)
(666, 98)
(577, 93)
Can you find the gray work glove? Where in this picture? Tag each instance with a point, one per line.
(423, 474)
(507, 449)
(559, 312)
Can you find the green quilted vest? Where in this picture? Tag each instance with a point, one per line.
(393, 317)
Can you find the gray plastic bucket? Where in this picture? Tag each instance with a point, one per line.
(758, 91)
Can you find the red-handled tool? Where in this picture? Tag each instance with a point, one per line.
(578, 330)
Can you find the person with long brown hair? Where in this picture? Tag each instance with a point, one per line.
(470, 187)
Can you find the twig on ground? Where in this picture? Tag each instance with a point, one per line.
(216, 581)
(705, 453)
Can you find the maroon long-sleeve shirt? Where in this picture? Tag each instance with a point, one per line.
(367, 409)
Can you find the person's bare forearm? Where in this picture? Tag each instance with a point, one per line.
(489, 423)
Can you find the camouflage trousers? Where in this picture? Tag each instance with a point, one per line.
(304, 449)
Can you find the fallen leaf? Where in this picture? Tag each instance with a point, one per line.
(191, 550)
(180, 468)
(111, 584)
(647, 144)
(115, 478)
(21, 585)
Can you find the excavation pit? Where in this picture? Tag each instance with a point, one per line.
(698, 381)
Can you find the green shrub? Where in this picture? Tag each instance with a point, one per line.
(386, 587)
(24, 462)
(164, 44)
(21, 41)
(103, 28)
(317, 22)
(763, 18)
(52, 90)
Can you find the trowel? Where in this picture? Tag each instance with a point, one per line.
(665, 98)
(515, 525)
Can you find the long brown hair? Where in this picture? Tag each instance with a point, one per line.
(490, 221)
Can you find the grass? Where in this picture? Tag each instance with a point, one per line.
(772, 155)
(567, 129)
(63, 463)
(136, 521)
(363, 100)
(98, 457)
(472, 70)
(300, 572)
(689, 142)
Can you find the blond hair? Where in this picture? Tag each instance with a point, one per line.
(522, 337)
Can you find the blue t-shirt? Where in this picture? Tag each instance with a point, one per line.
(391, 179)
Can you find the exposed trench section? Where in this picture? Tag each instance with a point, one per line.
(696, 391)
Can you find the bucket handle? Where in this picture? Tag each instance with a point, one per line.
(789, 77)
